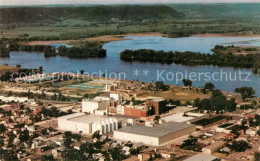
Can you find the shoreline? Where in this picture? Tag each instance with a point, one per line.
(110, 38)
(224, 35)
(49, 42)
(103, 38)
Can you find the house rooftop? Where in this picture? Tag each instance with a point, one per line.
(201, 157)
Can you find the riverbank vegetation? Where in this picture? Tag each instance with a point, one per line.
(86, 50)
(236, 50)
(191, 58)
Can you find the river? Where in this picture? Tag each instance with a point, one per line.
(222, 77)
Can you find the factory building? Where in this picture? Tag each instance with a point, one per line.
(100, 104)
(91, 106)
(156, 135)
(158, 104)
(88, 124)
(186, 117)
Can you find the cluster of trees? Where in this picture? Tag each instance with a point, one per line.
(191, 144)
(48, 50)
(190, 58)
(208, 87)
(90, 148)
(54, 112)
(246, 92)
(218, 102)
(68, 136)
(221, 48)
(207, 121)
(90, 49)
(187, 82)
(4, 51)
(235, 129)
(7, 155)
(239, 146)
(8, 76)
(159, 85)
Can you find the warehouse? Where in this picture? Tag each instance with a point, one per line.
(188, 117)
(156, 135)
(88, 124)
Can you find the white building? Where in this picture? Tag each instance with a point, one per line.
(88, 124)
(116, 96)
(15, 99)
(91, 106)
(188, 117)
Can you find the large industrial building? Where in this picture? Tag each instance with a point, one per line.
(88, 124)
(188, 117)
(156, 135)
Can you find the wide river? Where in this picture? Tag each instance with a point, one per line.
(224, 78)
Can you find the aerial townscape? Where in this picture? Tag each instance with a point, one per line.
(132, 82)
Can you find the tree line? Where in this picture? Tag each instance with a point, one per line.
(191, 58)
(89, 49)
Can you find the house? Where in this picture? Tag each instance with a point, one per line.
(126, 150)
(76, 146)
(56, 153)
(139, 145)
(242, 137)
(213, 147)
(230, 136)
(252, 131)
(203, 157)
(167, 155)
(225, 150)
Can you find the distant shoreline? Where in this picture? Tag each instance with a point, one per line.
(224, 35)
(104, 38)
(110, 38)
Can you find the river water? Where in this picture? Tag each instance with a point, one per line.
(224, 78)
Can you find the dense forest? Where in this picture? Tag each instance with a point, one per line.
(191, 58)
(91, 13)
(241, 10)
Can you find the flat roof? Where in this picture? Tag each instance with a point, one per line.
(72, 115)
(88, 119)
(215, 145)
(201, 157)
(156, 131)
(177, 118)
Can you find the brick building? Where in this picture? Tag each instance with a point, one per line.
(158, 104)
(139, 111)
